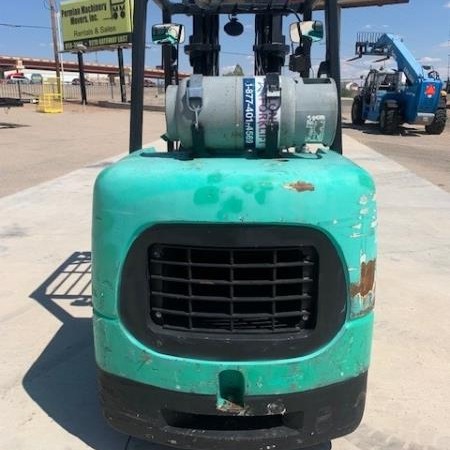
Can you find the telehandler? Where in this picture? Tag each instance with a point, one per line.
(234, 274)
(412, 93)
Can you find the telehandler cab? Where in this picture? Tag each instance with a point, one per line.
(234, 274)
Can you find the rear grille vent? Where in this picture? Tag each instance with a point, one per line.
(233, 290)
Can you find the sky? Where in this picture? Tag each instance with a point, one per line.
(423, 24)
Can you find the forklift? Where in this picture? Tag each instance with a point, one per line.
(234, 274)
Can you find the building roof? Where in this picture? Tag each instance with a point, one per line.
(253, 6)
(359, 3)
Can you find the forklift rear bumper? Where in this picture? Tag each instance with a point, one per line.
(193, 421)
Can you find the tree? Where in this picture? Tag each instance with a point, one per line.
(236, 72)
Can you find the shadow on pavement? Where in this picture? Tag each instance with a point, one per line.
(11, 125)
(62, 381)
(373, 129)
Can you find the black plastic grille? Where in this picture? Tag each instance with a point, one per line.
(237, 290)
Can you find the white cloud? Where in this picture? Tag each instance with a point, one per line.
(447, 5)
(228, 69)
(429, 60)
(445, 44)
(368, 26)
(352, 70)
(250, 60)
(442, 71)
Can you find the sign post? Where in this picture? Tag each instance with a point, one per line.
(123, 92)
(82, 77)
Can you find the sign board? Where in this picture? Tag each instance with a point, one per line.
(94, 24)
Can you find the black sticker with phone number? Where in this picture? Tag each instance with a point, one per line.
(249, 101)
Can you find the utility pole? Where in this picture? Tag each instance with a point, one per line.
(447, 83)
(448, 63)
(54, 21)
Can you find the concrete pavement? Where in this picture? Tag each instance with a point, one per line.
(47, 382)
(37, 147)
(428, 156)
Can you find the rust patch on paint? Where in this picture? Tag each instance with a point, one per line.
(233, 408)
(300, 186)
(367, 280)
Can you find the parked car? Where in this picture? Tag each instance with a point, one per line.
(149, 83)
(17, 80)
(36, 78)
(76, 82)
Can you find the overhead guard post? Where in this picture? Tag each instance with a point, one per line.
(332, 14)
(137, 80)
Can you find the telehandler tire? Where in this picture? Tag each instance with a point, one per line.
(357, 112)
(389, 120)
(439, 122)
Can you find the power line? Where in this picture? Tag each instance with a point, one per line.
(448, 61)
(14, 25)
(236, 53)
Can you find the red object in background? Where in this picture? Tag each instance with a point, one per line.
(15, 75)
(430, 90)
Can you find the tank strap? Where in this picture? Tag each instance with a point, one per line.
(194, 93)
(273, 103)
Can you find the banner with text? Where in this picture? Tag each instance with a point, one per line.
(93, 24)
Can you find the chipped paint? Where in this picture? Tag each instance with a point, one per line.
(363, 293)
(300, 186)
(363, 200)
(364, 211)
(367, 280)
(226, 406)
(146, 358)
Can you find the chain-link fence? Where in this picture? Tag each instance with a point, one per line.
(153, 96)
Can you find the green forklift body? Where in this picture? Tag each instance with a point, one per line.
(322, 193)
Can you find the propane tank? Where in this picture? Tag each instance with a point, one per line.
(236, 113)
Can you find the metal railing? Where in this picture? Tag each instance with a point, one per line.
(95, 93)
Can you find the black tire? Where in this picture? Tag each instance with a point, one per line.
(357, 112)
(389, 120)
(439, 122)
